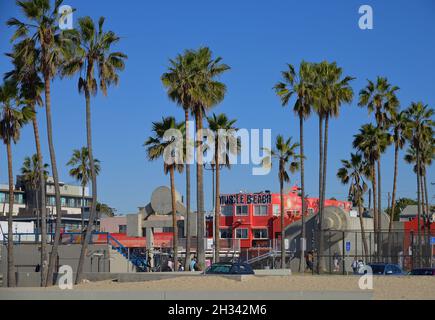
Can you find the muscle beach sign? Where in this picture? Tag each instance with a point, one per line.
(246, 198)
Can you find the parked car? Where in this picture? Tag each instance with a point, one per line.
(386, 269)
(229, 268)
(423, 272)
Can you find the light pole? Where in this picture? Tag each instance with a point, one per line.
(211, 167)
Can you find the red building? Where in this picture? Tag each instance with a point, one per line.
(254, 218)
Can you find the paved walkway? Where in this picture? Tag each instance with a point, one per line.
(79, 294)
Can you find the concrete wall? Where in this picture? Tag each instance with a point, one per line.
(27, 256)
(111, 224)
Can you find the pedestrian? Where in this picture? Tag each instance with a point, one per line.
(180, 266)
(309, 260)
(336, 262)
(192, 264)
(170, 264)
(355, 265)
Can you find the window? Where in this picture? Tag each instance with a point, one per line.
(225, 233)
(276, 210)
(227, 210)
(122, 228)
(241, 233)
(260, 210)
(260, 233)
(241, 210)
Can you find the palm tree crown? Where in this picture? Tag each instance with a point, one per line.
(81, 170)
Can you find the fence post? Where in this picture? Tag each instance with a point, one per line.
(412, 249)
(329, 246)
(343, 251)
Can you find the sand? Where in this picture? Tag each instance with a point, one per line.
(384, 287)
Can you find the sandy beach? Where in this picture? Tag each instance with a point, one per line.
(383, 287)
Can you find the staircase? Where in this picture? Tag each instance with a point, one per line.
(139, 261)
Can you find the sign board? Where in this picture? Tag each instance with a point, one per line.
(432, 240)
(347, 246)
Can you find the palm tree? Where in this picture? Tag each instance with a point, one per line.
(13, 117)
(91, 54)
(43, 20)
(299, 84)
(25, 73)
(179, 81)
(158, 146)
(380, 98)
(225, 143)
(285, 153)
(371, 141)
(207, 92)
(30, 171)
(353, 172)
(331, 91)
(399, 125)
(421, 131)
(81, 171)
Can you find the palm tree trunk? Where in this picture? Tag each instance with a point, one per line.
(83, 209)
(301, 136)
(363, 234)
(320, 203)
(428, 215)
(217, 205)
(393, 198)
(94, 187)
(418, 209)
(174, 219)
(281, 195)
(199, 194)
(375, 208)
(325, 159)
(11, 264)
(188, 221)
(43, 210)
(55, 246)
(380, 238)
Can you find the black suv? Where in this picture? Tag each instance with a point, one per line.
(229, 268)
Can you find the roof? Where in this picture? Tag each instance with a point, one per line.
(409, 210)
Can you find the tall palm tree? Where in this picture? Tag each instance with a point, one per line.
(157, 147)
(421, 130)
(207, 92)
(42, 21)
(380, 98)
(225, 143)
(331, 91)
(301, 85)
(399, 126)
(30, 171)
(13, 117)
(25, 57)
(81, 171)
(92, 56)
(285, 153)
(353, 172)
(179, 81)
(371, 141)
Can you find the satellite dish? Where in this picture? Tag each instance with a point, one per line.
(161, 200)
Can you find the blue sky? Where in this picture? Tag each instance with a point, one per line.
(257, 39)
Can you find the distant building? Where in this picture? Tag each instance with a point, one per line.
(26, 204)
(411, 211)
